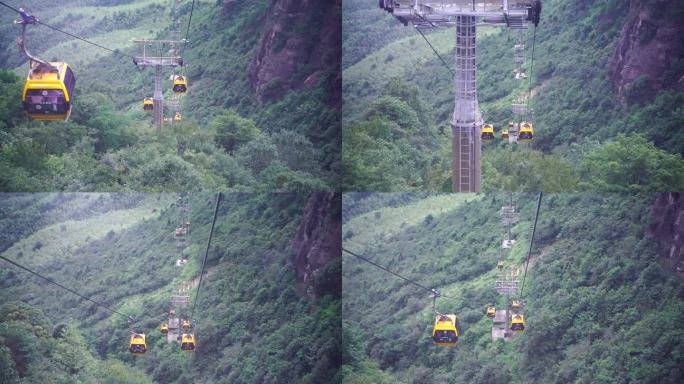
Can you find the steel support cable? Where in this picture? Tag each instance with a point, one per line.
(63, 287)
(436, 53)
(529, 79)
(433, 291)
(187, 29)
(10, 7)
(71, 34)
(529, 251)
(206, 253)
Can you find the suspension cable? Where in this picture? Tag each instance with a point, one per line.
(436, 53)
(63, 287)
(432, 291)
(529, 79)
(187, 30)
(69, 34)
(529, 251)
(206, 253)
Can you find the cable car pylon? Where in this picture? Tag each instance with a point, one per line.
(467, 119)
(510, 320)
(177, 325)
(158, 61)
(507, 282)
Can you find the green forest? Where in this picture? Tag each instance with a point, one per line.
(231, 138)
(600, 304)
(256, 321)
(398, 101)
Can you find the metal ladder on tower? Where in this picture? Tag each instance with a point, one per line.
(466, 120)
(466, 159)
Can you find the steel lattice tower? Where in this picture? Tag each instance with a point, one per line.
(466, 119)
(465, 15)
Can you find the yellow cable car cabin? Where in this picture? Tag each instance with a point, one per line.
(138, 346)
(515, 304)
(180, 85)
(188, 342)
(445, 332)
(164, 329)
(526, 132)
(487, 132)
(504, 134)
(186, 325)
(180, 232)
(177, 117)
(517, 323)
(500, 264)
(172, 313)
(48, 94)
(491, 311)
(148, 104)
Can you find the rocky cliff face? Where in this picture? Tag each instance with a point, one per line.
(668, 229)
(319, 242)
(648, 56)
(301, 44)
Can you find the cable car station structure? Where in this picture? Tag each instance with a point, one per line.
(465, 15)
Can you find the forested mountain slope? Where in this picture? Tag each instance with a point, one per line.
(607, 95)
(239, 131)
(256, 320)
(599, 306)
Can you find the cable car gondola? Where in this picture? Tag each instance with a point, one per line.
(504, 134)
(526, 132)
(138, 345)
(186, 325)
(487, 132)
(164, 328)
(188, 342)
(491, 311)
(515, 304)
(518, 323)
(177, 117)
(148, 104)
(445, 331)
(180, 85)
(48, 91)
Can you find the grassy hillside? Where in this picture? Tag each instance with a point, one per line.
(585, 138)
(255, 323)
(599, 307)
(227, 140)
